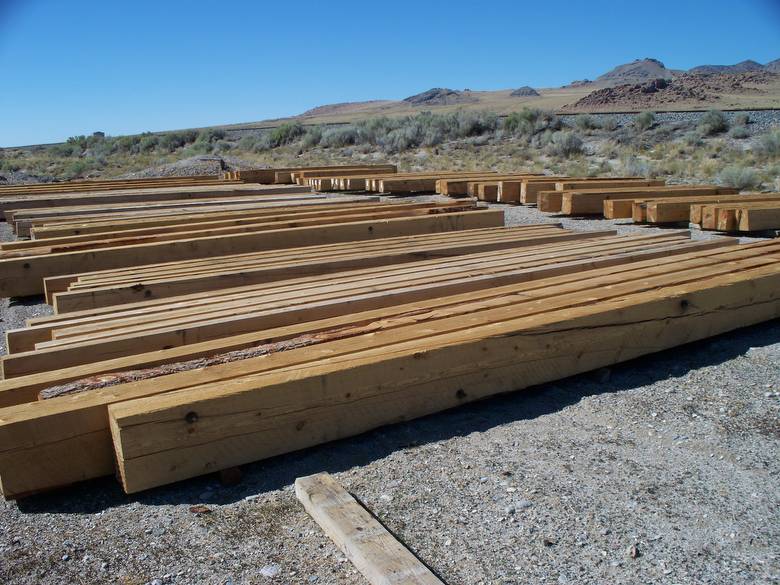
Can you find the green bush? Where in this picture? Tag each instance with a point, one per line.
(313, 137)
(339, 137)
(585, 122)
(609, 124)
(741, 119)
(739, 132)
(210, 135)
(565, 144)
(768, 145)
(712, 122)
(644, 121)
(739, 177)
(287, 133)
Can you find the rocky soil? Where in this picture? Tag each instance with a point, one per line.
(663, 470)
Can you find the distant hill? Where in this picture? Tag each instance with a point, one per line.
(741, 67)
(637, 71)
(439, 96)
(525, 91)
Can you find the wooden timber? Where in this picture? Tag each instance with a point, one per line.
(203, 317)
(622, 208)
(231, 222)
(179, 435)
(170, 282)
(376, 553)
(24, 276)
(77, 444)
(661, 211)
(591, 202)
(162, 194)
(270, 176)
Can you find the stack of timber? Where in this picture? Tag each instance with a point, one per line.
(672, 211)
(170, 388)
(616, 200)
(24, 265)
(146, 195)
(758, 215)
(290, 175)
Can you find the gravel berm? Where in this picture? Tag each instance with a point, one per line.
(660, 470)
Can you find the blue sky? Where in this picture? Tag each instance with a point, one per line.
(75, 66)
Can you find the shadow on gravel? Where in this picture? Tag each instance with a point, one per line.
(26, 301)
(279, 472)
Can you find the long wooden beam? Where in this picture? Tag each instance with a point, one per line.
(24, 276)
(76, 444)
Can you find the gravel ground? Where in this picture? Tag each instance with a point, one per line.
(661, 470)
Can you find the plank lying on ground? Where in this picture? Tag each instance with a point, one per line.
(375, 552)
(758, 218)
(529, 190)
(77, 446)
(24, 276)
(233, 222)
(93, 338)
(676, 211)
(722, 216)
(456, 186)
(162, 194)
(226, 275)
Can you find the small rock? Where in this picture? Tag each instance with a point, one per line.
(546, 541)
(523, 504)
(200, 509)
(313, 579)
(270, 571)
(65, 557)
(633, 551)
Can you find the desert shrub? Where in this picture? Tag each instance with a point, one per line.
(565, 144)
(474, 123)
(286, 133)
(632, 166)
(585, 122)
(199, 147)
(247, 143)
(769, 145)
(739, 132)
(644, 121)
(65, 150)
(148, 143)
(312, 138)
(170, 141)
(210, 135)
(712, 122)
(692, 139)
(339, 137)
(739, 178)
(263, 142)
(741, 119)
(609, 124)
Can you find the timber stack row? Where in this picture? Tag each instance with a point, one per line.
(190, 339)
(712, 207)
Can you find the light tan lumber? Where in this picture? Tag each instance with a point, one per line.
(135, 220)
(665, 211)
(246, 220)
(591, 202)
(758, 218)
(183, 434)
(169, 331)
(160, 194)
(76, 444)
(621, 208)
(108, 295)
(36, 248)
(376, 553)
(24, 276)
